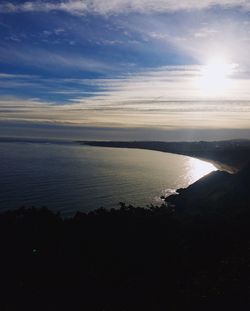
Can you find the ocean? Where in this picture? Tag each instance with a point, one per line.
(67, 177)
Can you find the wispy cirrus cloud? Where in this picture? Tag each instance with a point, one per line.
(158, 98)
(117, 6)
(38, 57)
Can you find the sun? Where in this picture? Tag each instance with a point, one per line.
(214, 78)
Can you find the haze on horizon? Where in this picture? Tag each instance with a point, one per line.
(157, 64)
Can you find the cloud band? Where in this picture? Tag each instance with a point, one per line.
(103, 7)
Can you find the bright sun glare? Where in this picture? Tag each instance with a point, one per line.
(214, 79)
(197, 169)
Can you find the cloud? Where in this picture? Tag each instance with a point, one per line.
(168, 114)
(4, 75)
(42, 58)
(163, 97)
(206, 32)
(79, 7)
(162, 84)
(74, 7)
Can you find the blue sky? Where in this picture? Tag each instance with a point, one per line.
(123, 62)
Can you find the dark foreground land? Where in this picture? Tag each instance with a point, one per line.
(230, 155)
(191, 254)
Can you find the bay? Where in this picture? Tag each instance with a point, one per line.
(70, 177)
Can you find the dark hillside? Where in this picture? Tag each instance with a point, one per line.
(219, 192)
(126, 259)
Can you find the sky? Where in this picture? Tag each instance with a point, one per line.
(162, 64)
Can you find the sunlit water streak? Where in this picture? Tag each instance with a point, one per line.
(198, 169)
(68, 178)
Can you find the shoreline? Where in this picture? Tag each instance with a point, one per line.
(229, 156)
(218, 165)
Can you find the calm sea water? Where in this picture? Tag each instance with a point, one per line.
(70, 177)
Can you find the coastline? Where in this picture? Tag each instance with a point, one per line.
(229, 156)
(219, 165)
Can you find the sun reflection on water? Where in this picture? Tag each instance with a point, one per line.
(193, 170)
(198, 168)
